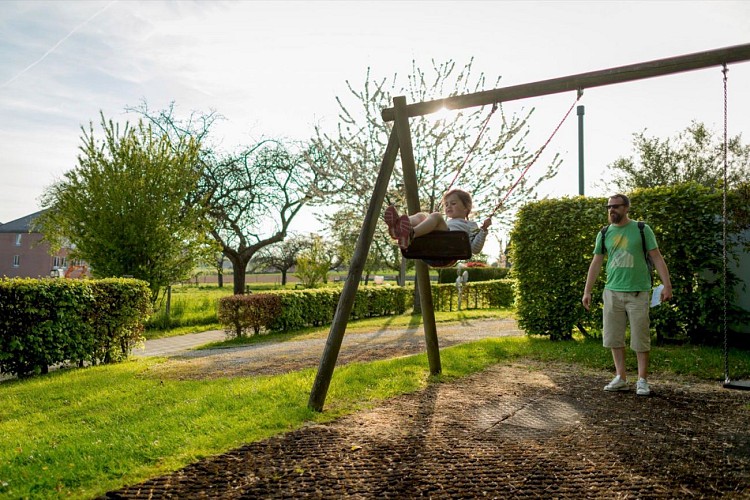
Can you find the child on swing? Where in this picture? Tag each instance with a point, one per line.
(457, 203)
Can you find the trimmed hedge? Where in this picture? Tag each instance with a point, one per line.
(449, 275)
(288, 310)
(240, 313)
(51, 321)
(478, 295)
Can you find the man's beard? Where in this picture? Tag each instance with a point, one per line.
(615, 217)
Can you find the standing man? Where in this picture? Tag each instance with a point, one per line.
(627, 290)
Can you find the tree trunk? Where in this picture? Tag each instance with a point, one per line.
(239, 266)
(283, 277)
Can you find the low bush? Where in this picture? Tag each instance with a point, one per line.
(479, 295)
(240, 313)
(296, 309)
(46, 322)
(288, 310)
(449, 275)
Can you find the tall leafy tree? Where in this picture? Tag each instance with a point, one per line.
(695, 154)
(355, 149)
(128, 208)
(251, 196)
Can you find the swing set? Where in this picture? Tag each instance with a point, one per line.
(444, 248)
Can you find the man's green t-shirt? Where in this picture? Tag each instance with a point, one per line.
(627, 270)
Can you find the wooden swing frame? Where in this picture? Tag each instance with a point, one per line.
(400, 141)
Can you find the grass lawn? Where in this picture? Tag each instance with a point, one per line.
(79, 433)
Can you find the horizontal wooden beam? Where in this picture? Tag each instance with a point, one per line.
(659, 67)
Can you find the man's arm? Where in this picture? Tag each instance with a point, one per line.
(661, 267)
(594, 268)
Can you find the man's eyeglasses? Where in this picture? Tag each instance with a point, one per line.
(618, 205)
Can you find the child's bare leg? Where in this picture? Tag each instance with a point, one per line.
(432, 222)
(417, 218)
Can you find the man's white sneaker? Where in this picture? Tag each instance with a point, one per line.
(642, 388)
(617, 384)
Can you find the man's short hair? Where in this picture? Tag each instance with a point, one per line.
(625, 199)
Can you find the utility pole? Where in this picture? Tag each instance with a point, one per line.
(580, 112)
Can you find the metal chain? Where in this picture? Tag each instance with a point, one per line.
(471, 150)
(539, 152)
(724, 230)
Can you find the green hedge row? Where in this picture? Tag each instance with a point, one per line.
(552, 245)
(449, 275)
(477, 295)
(50, 321)
(288, 310)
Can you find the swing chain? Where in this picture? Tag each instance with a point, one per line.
(539, 152)
(725, 70)
(473, 147)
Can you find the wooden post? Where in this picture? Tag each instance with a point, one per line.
(349, 292)
(412, 202)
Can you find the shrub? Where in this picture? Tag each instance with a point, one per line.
(239, 313)
(482, 294)
(475, 272)
(46, 322)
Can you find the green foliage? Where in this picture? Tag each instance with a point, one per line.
(291, 310)
(314, 263)
(239, 313)
(379, 301)
(46, 322)
(694, 155)
(126, 207)
(281, 256)
(481, 294)
(251, 196)
(692, 247)
(298, 309)
(553, 244)
(449, 275)
(190, 306)
(121, 307)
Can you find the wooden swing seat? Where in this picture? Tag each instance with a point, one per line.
(440, 248)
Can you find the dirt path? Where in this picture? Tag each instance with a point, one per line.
(274, 358)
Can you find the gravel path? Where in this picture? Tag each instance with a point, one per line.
(280, 357)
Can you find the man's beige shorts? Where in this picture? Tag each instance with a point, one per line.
(621, 308)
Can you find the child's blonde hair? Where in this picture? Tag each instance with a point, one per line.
(462, 195)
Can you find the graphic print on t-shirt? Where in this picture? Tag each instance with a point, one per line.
(619, 257)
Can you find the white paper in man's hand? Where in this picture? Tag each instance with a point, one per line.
(656, 296)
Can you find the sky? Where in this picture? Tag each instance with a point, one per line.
(274, 69)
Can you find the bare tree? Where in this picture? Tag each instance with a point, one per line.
(345, 226)
(252, 196)
(441, 147)
(281, 256)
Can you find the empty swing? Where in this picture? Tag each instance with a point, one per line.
(728, 382)
(445, 248)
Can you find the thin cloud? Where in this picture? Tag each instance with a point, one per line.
(60, 42)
